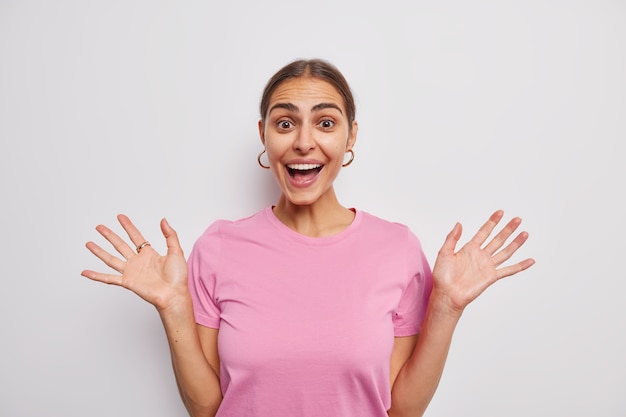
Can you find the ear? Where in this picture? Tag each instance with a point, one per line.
(261, 132)
(352, 136)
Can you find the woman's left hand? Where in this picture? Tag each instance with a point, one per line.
(460, 277)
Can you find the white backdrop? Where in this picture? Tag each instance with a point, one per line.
(149, 108)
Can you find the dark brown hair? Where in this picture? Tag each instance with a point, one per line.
(314, 68)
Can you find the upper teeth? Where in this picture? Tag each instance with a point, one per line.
(303, 167)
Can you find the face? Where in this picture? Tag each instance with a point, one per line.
(306, 134)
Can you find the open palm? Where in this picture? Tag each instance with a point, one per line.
(464, 275)
(155, 278)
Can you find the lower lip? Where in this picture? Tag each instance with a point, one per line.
(301, 182)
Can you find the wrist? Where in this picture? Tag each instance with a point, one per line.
(441, 306)
(177, 305)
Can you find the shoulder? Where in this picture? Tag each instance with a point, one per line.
(377, 224)
(223, 228)
(390, 231)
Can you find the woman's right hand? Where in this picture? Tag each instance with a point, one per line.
(160, 280)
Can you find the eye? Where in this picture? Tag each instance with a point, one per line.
(327, 124)
(284, 124)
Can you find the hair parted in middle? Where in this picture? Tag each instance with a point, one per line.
(314, 68)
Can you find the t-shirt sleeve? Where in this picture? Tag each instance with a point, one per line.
(411, 310)
(202, 267)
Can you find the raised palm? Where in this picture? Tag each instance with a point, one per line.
(462, 276)
(155, 278)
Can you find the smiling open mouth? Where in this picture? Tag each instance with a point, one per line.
(302, 171)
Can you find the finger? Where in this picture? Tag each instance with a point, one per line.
(118, 243)
(483, 233)
(100, 277)
(106, 257)
(133, 233)
(449, 245)
(498, 241)
(510, 249)
(171, 239)
(514, 269)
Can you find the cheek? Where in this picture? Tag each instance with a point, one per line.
(338, 150)
(274, 148)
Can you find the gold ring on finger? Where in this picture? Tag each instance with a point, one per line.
(143, 245)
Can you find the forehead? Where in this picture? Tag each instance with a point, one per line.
(306, 91)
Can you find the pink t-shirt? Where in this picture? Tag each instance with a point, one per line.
(307, 325)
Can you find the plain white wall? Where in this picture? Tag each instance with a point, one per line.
(150, 107)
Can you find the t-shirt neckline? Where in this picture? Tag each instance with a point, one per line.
(309, 240)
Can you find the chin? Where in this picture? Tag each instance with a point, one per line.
(302, 201)
(302, 197)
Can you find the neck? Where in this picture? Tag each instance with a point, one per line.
(324, 217)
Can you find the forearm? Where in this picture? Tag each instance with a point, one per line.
(418, 379)
(197, 381)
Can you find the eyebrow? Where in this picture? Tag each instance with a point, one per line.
(293, 108)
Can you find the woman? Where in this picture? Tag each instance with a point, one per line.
(317, 308)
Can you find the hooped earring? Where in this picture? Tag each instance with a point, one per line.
(258, 158)
(351, 158)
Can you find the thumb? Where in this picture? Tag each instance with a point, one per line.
(449, 245)
(171, 239)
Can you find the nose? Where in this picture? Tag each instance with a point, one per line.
(304, 141)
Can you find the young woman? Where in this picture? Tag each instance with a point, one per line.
(309, 308)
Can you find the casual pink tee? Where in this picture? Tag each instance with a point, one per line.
(307, 325)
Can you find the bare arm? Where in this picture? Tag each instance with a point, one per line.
(162, 281)
(419, 377)
(458, 279)
(197, 378)
(402, 349)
